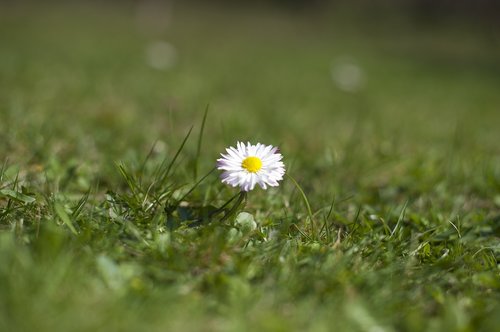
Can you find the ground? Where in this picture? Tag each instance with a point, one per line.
(108, 188)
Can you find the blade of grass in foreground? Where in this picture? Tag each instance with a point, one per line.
(401, 216)
(306, 202)
(164, 176)
(198, 147)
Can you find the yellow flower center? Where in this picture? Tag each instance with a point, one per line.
(252, 164)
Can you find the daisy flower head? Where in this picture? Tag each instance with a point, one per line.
(248, 165)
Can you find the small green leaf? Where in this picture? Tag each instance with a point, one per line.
(61, 213)
(246, 222)
(17, 196)
(426, 250)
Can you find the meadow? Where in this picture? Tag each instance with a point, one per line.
(112, 118)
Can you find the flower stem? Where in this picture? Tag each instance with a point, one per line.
(241, 198)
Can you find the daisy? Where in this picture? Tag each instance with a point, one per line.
(247, 165)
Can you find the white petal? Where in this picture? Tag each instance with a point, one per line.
(242, 149)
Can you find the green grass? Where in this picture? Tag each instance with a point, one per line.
(102, 179)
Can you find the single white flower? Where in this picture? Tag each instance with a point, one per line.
(247, 165)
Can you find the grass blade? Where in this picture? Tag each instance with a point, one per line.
(164, 176)
(306, 202)
(61, 213)
(198, 146)
(401, 216)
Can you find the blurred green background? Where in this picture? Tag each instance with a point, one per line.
(376, 103)
(302, 75)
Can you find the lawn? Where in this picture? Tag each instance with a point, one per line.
(112, 118)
